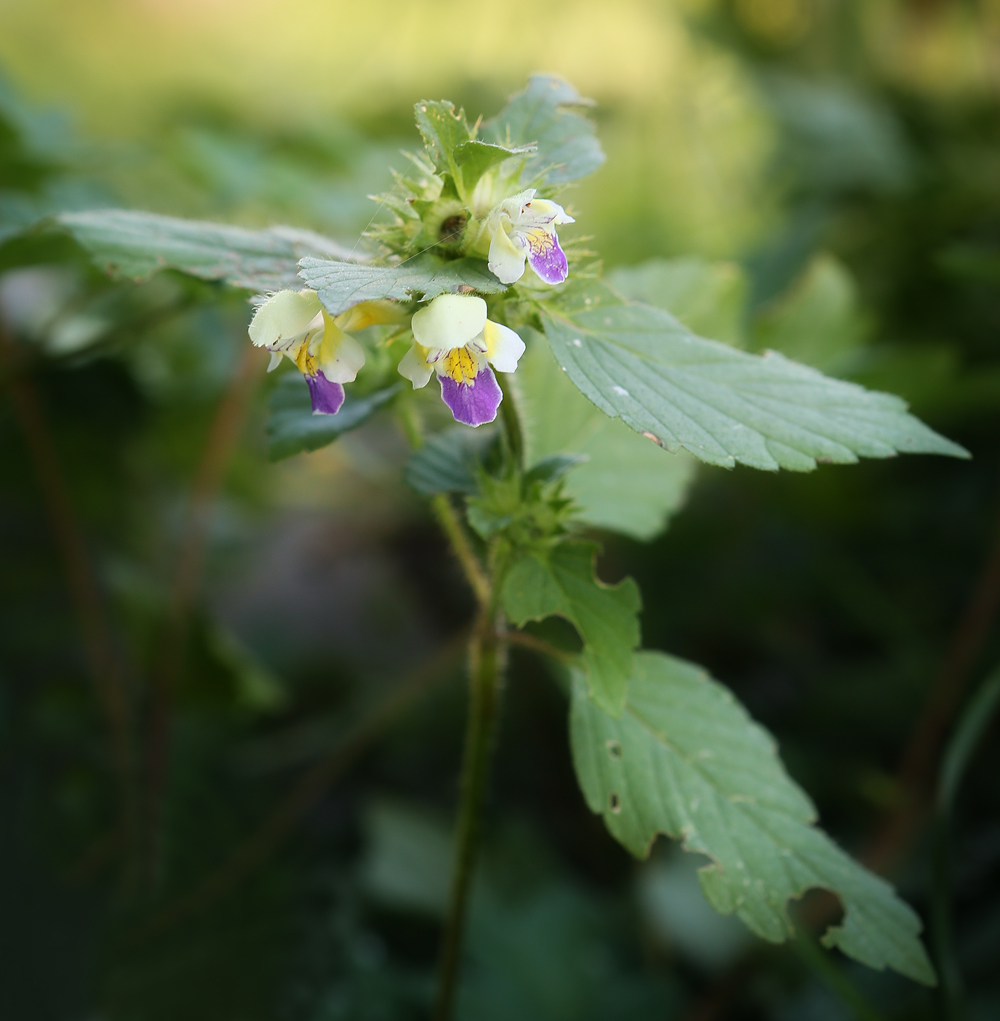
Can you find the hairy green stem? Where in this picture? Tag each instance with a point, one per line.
(444, 511)
(486, 666)
(487, 655)
(461, 547)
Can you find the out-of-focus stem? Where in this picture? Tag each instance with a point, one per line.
(105, 669)
(923, 750)
(219, 444)
(486, 665)
(310, 786)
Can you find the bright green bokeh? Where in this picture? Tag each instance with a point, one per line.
(688, 141)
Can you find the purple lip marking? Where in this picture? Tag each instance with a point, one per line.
(473, 403)
(327, 397)
(546, 256)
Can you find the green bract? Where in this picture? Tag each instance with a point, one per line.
(617, 390)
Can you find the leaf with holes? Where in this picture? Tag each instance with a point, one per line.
(686, 760)
(136, 245)
(546, 114)
(343, 284)
(724, 406)
(561, 581)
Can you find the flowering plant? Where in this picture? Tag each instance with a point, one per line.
(470, 277)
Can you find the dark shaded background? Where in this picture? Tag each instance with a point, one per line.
(283, 853)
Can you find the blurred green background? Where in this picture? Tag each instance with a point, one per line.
(831, 173)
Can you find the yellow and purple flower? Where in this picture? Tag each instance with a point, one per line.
(454, 338)
(294, 324)
(524, 228)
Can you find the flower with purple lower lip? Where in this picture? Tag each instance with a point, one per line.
(295, 325)
(524, 228)
(454, 338)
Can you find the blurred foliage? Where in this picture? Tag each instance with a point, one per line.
(276, 856)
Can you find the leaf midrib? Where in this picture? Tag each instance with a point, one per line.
(662, 739)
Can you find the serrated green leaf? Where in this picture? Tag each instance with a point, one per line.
(707, 297)
(561, 581)
(134, 244)
(343, 284)
(686, 760)
(626, 484)
(448, 461)
(293, 428)
(725, 406)
(475, 157)
(545, 114)
(442, 128)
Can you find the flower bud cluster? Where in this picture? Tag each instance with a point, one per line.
(452, 336)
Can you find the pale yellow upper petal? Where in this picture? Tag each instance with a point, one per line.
(544, 211)
(449, 321)
(506, 260)
(512, 206)
(284, 318)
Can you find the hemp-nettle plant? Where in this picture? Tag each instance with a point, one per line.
(575, 409)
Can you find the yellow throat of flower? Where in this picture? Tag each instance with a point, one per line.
(460, 365)
(308, 363)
